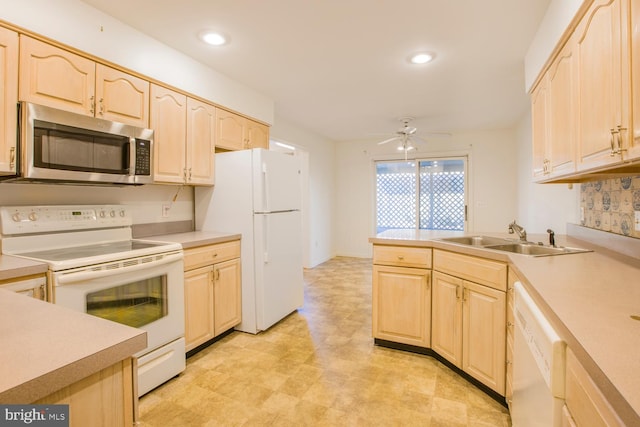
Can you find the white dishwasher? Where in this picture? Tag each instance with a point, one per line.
(538, 366)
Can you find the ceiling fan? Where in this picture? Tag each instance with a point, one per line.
(406, 136)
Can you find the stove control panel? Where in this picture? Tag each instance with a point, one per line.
(16, 220)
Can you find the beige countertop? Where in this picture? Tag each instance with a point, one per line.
(12, 267)
(46, 347)
(193, 239)
(588, 297)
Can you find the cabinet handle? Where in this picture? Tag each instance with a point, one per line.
(214, 255)
(400, 257)
(465, 295)
(217, 274)
(620, 149)
(93, 104)
(509, 324)
(101, 107)
(614, 133)
(458, 292)
(12, 157)
(43, 293)
(189, 174)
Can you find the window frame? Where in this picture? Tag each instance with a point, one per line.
(465, 157)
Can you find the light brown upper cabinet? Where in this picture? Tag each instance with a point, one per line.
(562, 113)
(540, 129)
(586, 104)
(235, 132)
(603, 112)
(633, 150)
(184, 138)
(61, 79)
(8, 100)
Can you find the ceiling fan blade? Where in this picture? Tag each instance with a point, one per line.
(388, 140)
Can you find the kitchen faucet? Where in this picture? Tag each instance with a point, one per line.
(519, 230)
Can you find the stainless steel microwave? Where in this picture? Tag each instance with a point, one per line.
(57, 145)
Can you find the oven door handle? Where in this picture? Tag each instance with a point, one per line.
(67, 278)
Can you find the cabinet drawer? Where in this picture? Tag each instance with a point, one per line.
(585, 401)
(479, 270)
(402, 256)
(211, 254)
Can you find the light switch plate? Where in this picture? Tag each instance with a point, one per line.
(636, 221)
(582, 213)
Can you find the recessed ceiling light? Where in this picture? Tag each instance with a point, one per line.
(213, 38)
(422, 57)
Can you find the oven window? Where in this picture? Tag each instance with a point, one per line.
(134, 304)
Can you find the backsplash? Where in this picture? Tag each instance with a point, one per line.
(609, 204)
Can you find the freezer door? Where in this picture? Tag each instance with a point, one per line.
(276, 181)
(278, 266)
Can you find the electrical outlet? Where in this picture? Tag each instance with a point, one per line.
(165, 210)
(582, 213)
(636, 221)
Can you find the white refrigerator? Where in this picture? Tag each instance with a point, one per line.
(258, 193)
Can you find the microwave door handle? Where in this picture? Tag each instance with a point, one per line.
(65, 279)
(132, 156)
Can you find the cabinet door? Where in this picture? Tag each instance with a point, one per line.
(198, 300)
(121, 97)
(539, 128)
(633, 152)
(600, 107)
(8, 100)
(227, 296)
(201, 125)
(230, 130)
(446, 317)
(169, 122)
(54, 77)
(483, 332)
(402, 305)
(562, 116)
(257, 135)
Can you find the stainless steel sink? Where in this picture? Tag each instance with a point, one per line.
(477, 240)
(526, 248)
(513, 246)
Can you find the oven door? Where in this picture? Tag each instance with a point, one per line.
(145, 292)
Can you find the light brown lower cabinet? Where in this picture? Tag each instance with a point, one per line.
(512, 278)
(402, 305)
(468, 328)
(585, 403)
(106, 398)
(469, 315)
(34, 286)
(212, 290)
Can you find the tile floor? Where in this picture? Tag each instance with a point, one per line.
(319, 367)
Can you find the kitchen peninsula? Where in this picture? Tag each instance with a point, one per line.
(589, 298)
(53, 355)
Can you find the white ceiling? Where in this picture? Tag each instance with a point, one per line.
(339, 67)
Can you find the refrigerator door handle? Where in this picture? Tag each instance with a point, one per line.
(265, 240)
(265, 189)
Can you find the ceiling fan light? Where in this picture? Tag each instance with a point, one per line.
(421, 58)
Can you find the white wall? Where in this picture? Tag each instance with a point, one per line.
(542, 206)
(319, 218)
(81, 26)
(492, 184)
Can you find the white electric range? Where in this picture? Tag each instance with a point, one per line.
(95, 266)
